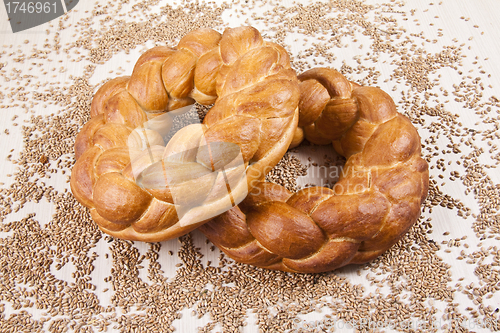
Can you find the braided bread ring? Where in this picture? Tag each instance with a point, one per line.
(374, 203)
(256, 96)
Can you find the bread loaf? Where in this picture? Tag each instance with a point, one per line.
(375, 202)
(137, 188)
(121, 156)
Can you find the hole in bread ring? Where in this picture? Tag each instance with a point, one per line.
(374, 203)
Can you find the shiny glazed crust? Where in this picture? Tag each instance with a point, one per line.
(374, 203)
(256, 99)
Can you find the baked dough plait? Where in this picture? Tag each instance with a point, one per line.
(123, 167)
(374, 203)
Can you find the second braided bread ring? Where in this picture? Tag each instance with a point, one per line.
(374, 203)
(122, 164)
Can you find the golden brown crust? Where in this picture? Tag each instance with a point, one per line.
(374, 203)
(256, 97)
